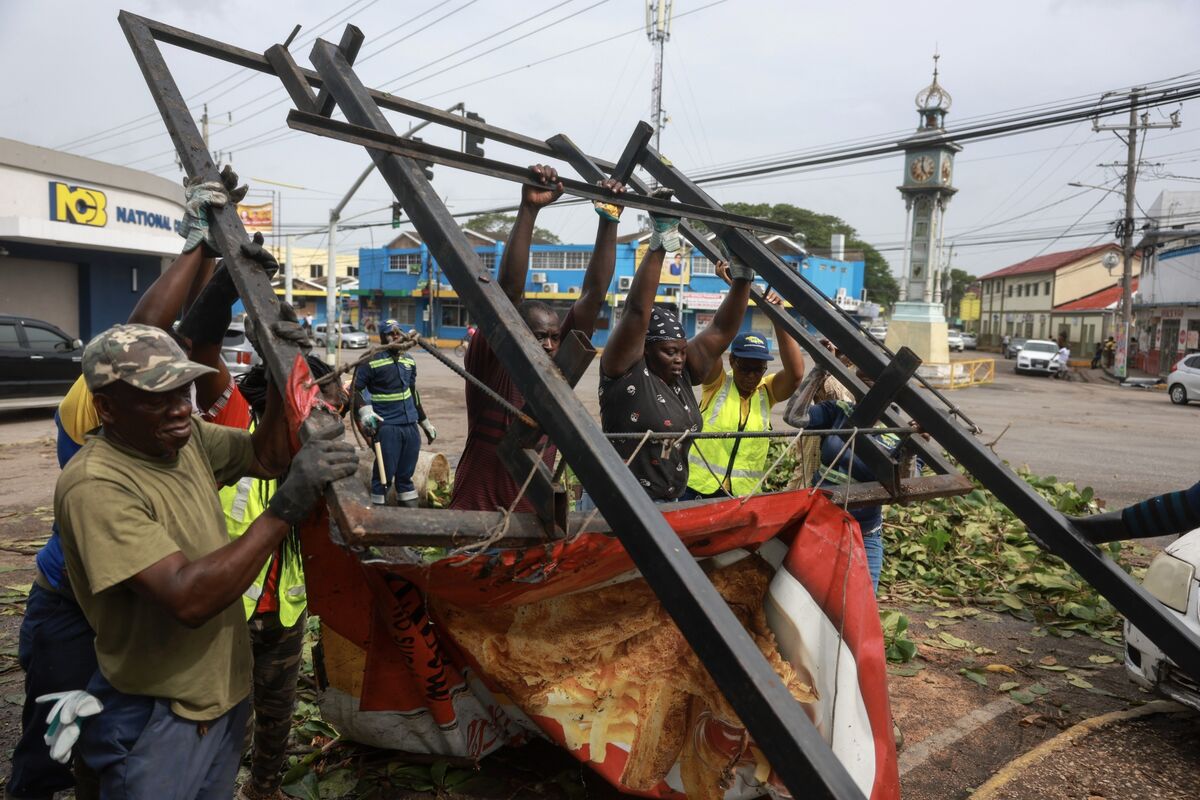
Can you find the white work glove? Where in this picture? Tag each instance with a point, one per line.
(63, 720)
(199, 197)
(430, 431)
(369, 419)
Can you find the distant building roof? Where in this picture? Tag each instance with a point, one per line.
(409, 239)
(1097, 301)
(1050, 262)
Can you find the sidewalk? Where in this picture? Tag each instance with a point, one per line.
(1105, 373)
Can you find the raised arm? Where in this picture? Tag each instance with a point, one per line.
(160, 304)
(514, 265)
(598, 278)
(1172, 513)
(791, 357)
(707, 346)
(628, 340)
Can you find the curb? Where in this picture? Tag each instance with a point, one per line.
(1014, 768)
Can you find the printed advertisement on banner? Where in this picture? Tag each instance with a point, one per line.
(258, 218)
(1193, 340)
(676, 268)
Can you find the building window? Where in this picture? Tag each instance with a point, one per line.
(1047, 288)
(1010, 290)
(403, 311)
(455, 315)
(487, 258)
(405, 262)
(316, 271)
(559, 259)
(352, 271)
(702, 266)
(1035, 290)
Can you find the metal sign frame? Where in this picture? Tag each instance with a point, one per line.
(780, 728)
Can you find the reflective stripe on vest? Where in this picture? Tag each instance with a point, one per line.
(749, 464)
(242, 503)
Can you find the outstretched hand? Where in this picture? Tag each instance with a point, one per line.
(548, 187)
(322, 460)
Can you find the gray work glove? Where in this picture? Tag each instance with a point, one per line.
(739, 271)
(199, 198)
(322, 460)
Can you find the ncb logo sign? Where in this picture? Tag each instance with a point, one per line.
(78, 205)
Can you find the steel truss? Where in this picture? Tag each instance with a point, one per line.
(793, 746)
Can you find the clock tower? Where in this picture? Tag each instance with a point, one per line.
(917, 320)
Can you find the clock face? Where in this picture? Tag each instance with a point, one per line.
(946, 171)
(921, 169)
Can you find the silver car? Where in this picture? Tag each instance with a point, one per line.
(351, 337)
(954, 340)
(236, 351)
(1183, 383)
(970, 341)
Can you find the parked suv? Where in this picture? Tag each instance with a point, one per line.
(38, 360)
(1184, 381)
(351, 337)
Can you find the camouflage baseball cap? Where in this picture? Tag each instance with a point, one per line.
(143, 356)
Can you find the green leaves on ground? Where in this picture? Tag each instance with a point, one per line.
(898, 647)
(973, 550)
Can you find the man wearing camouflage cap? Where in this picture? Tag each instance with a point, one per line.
(153, 569)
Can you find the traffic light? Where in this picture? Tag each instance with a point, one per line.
(395, 215)
(426, 166)
(474, 141)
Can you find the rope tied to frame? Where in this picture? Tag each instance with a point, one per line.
(588, 520)
(498, 531)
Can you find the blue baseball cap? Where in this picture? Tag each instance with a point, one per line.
(751, 345)
(389, 325)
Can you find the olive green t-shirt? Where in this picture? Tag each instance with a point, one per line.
(119, 512)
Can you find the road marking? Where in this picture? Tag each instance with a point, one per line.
(922, 751)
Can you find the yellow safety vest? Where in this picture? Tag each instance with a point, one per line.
(750, 459)
(242, 503)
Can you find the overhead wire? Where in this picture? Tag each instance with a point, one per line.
(154, 117)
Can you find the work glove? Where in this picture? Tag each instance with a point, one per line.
(322, 460)
(63, 720)
(739, 271)
(609, 211)
(369, 420)
(664, 230)
(286, 328)
(430, 431)
(209, 316)
(201, 196)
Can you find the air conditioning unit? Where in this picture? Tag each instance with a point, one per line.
(550, 287)
(572, 290)
(841, 293)
(624, 282)
(539, 277)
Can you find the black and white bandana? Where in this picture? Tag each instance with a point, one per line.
(664, 326)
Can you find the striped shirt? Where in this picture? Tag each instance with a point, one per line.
(1175, 512)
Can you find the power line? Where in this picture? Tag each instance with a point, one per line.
(153, 117)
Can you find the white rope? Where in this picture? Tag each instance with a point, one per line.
(588, 520)
(771, 469)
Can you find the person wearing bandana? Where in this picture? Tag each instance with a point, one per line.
(649, 367)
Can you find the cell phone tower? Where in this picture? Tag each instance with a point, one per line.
(658, 30)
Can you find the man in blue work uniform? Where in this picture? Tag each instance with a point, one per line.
(391, 416)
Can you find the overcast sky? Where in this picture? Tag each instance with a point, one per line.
(744, 79)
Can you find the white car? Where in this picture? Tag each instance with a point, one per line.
(877, 332)
(954, 340)
(1183, 383)
(1037, 355)
(1171, 578)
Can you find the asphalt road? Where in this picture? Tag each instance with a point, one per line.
(1127, 444)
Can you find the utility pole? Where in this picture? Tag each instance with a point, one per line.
(658, 30)
(331, 343)
(1121, 364)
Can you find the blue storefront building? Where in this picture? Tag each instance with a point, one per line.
(403, 282)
